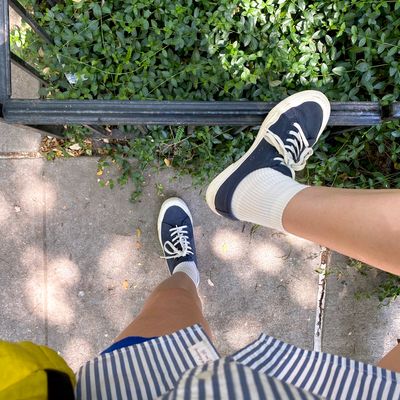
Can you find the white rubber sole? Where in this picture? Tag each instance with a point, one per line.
(172, 201)
(273, 116)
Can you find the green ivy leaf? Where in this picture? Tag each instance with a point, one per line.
(362, 67)
(97, 10)
(339, 70)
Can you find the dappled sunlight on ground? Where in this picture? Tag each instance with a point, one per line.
(303, 292)
(118, 263)
(114, 259)
(5, 209)
(34, 294)
(237, 336)
(31, 191)
(78, 346)
(63, 276)
(65, 270)
(227, 245)
(268, 258)
(34, 288)
(32, 257)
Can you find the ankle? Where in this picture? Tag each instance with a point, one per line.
(262, 197)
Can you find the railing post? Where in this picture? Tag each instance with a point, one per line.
(5, 63)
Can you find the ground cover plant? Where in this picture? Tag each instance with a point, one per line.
(227, 50)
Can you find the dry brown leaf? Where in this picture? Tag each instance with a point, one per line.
(167, 162)
(75, 146)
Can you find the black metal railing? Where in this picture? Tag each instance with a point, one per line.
(141, 113)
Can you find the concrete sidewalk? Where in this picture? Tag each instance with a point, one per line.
(77, 263)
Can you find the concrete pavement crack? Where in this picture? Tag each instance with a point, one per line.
(45, 274)
(321, 296)
(18, 155)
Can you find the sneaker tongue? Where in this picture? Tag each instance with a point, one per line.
(286, 122)
(173, 222)
(284, 169)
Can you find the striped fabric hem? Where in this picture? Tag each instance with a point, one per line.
(224, 379)
(146, 370)
(325, 375)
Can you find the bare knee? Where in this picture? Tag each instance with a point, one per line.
(173, 298)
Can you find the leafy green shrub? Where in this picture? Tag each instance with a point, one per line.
(200, 154)
(388, 290)
(369, 158)
(203, 50)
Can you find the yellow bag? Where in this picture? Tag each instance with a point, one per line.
(30, 371)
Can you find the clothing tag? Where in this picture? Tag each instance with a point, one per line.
(201, 352)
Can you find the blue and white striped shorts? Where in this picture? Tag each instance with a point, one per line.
(185, 364)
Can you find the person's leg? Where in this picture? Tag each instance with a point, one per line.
(260, 188)
(391, 360)
(363, 224)
(173, 305)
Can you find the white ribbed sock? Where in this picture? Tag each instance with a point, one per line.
(262, 196)
(190, 269)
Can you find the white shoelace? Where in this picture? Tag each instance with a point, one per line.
(180, 237)
(299, 150)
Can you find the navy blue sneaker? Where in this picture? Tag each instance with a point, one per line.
(283, 143)
(175, 232)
